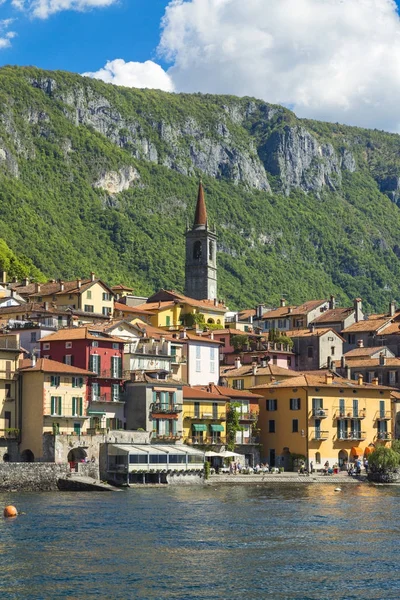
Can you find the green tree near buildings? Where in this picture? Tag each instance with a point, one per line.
(232, 425)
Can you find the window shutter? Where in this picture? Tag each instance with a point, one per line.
(73, 406)
(108, 423)
(80, 407)
(154, 397)
(74, 382)
(98, 371)
(91, 363)
(80, 381)
(53, 406)
(59, 406)
(119, 364)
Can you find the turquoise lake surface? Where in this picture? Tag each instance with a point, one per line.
(278, 541)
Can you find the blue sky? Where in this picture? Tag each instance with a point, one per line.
(83, 41)
(333, 60)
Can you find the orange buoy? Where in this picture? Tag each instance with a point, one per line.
(10, 511)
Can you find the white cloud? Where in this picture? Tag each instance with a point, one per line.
(44, 8)
(337, 60)
(6, 36)
(134, 74)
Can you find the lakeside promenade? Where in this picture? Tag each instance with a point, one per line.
(280, 478)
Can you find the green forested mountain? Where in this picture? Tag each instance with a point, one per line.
(96, 177)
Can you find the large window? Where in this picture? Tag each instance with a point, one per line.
(295, 425)
(77, 382)
(116, 367)
(271, 426)
(55, 380)
(295, 403)
(56, 405)
(238, 384)
(77, 407)
(89, 308)
(94, 363)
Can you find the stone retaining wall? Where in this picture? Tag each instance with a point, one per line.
(31, 477)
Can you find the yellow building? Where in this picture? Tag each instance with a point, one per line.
(204, 417)
(10, 354)
(171, 310)
(323, 418)
(89, 295)
(247, 376)
(54, 400)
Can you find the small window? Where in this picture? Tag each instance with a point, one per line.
(310, 352)
(317, 458)
(294, 403)
(272, 405)
(332, 350)
(197, 250)
(95, 344)
(89, 308)
(167, 321)
(115, 346)
(46, 346)
(89, 295)
(271, 426)
(55, 380)
(68, 344)
(106, 311)
(238, 384)
(106, 297)
(295, 426)
(33, 336)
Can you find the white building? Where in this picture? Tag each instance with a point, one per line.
(202, 358)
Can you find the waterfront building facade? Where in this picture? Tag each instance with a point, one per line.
(204, 417)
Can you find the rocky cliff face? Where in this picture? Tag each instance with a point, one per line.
(290, 153)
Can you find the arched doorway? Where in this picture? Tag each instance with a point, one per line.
(343, 458)
(6, 457)
(77, 455)
(27, 456)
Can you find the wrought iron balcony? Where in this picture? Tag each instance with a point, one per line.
(107, 398)
(319, 413)
(249, 416)
(384, 435)
(350, 414)
(383, 416)
(319, 435)
(208, 416)
(352, 436)
(165, 409)
(166, 437)
(205, 441)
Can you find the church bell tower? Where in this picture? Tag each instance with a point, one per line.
(201, 255)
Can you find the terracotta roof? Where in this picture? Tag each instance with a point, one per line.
(132, 309)
(318, 380)
(396, 396)
(318, 331)
(170, 295)
(121, 287)
(52, 366)
(392, 329)
(191, 337)
(197, 393)
(246, 314)
(370, 362)
(307, 307)
(367, 352)
(79, 333)
(370, 324)
(200, 217)
(281, 311)
(227, 391)
(334, 315)
(54, 288)
(273, 370)
(152, 307)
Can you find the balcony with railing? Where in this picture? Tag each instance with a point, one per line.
(208, 416)
(385, 415)
(318, 435)
(107, 398)
(166, 437)
(11, 433)
(205, 441)
(165, 409)
(249, 416)
(108, 374)
(319, 413)
(384, 435)
(349, 413)
(352, 436)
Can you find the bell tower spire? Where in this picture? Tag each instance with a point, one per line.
(201, 259)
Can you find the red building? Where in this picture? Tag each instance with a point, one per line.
(95, 351)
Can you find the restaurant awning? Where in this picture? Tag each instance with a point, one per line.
(368, 450)
(357, 451)
(96, 412)
(199, 427)
(215, 427)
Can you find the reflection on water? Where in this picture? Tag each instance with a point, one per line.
(281, 542)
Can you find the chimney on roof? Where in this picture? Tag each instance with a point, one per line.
(33, 358)
(360, 344)
(25, 281)
(62, 286)
(92, 276)
(215, 301)
(12, 292)
(312, 327)
(360, 379)
(283, 302)
(343, 362)
(348, 372)
(238, 364)
(328, 378)
(183, 334)
(382, 360)
(37, 288)
(357, 309)
(375, 381)
(332, 302)
(260, 310)
(3, 276)
(254, 369)
(46, 306)
(79, 283)
(392, 308)
(329, 362)
(290, 309)
(211, 335)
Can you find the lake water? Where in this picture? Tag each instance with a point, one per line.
(286, 541)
